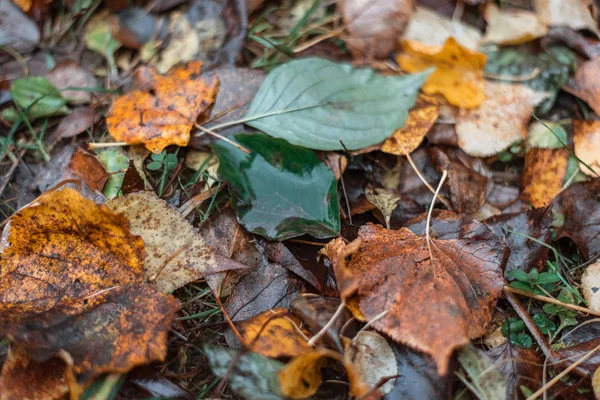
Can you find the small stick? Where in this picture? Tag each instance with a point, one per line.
(435, 195)
(105, 145)
(215, 134)
(552, 301)
(328, 325)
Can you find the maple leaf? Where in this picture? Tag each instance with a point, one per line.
(458, 74)
(163, 109)
(434, 298)
(72, 281)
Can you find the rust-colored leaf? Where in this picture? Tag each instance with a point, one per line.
(543, 175)
(275, 333)
(586, 83)
(586, 137)
(162, 110)
(454, 282)
(86, 167)
(72, 281)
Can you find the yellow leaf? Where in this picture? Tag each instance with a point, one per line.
(458, 74)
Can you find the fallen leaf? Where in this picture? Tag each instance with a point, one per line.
(456, 290)
(523, 253)
(420, 120)
(499, 122)
(69, 74)
(23, 378)
(590, 286)
(317, 103)
(543, 175)
(574, 14)
(586, 84)
(72, 280)
(487, 382)
(458, 74)
(16, 30)
(373, 357)
(586, 137)
(432, 29)
(37, 97)
(520, 367)
(86, 167)
(98, 36)
(164, 113)
(546, 135)
(275, 333)
(385, 200)
(584, 45)
(116, 163)
(510, 27)
(580, 209)
(373, 26)
(132, 181)
(279, 190)
(175, 254)
(80, 119)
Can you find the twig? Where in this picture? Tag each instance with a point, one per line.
(414, 167)
(328, 325)
(552, 301)
(215, 134)
(509, 78)
(92, 146)
(344, 190)
(435, 195)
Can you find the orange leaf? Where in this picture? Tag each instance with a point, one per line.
(273, 334)
(434, 301)
(586, 137)
(163, 111)
(71, 281)
(543, 175)
(586, 83)
(458, 74)
(86, 167)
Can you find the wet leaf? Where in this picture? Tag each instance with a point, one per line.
(275, 333)
(71, 75)
(458, 74)
(513, 26)
(163, 112)
(571, 13)
(317, 103)
(586, 83)
(586, 137)
(87, 168)
(374, 359)
(487, 381)
(175, 254)
(279, 190)
(392, 270)
(113, 161)
(420, 120)
(37, 97)
(499, 122)
(252, 375)
(374, 26)
(72, 280)
(543, 175)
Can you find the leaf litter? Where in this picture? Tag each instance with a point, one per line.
(380, 200)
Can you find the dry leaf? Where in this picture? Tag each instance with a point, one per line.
(77, 122)
(586, 137)
(458, 74)
(586, 84)
(543, 175)
(420, 120)
(500, 121)
(275, 333)
(70, 74)
(385, 200)
(574, 14)
(432, 29)
(512, 27)
(72, 280)
(433, 305)
(374, 26)
(86, 167)
(590, 286)
(175, 254)
(164, 112)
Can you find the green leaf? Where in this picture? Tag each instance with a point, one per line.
(551, 309)
(487, 383)
(99, 37)
(154, 165)
(515, 325)
(113, 161)
(252, 376)
(38, 97)
(518, 275)
(171, 161)
(547, 277)
(546, 325)
(317, 103)
(523, 340)
(160, 156)
(521, 286)
(279, 190)
(543, 138)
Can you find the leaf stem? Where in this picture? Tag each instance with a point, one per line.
(215, 134)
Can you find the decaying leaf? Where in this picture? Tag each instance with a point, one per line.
(77, 122)
(487, 382)
(520, 367)
(385, 200)
(458, 74)
(69, 74)
(574, 14)
(499, 122)
(432, 29)
(374, 25)
(512, 26)
(455, 282)
(420, 120)
(163, 111)
(72, 281)
(590, 286)
(175, 254)
(586, 83)
(275, 333)
(586, 137)
(86, 167)
(543, 175)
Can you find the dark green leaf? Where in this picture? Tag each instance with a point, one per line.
(547, 277)
(160, 156)
(518, 275)
(317, 104)
(532, 277)
(279, 190)
(154, 165)
(513, 326)
(171, 161)
(546, 325)
(521, 286)
(38, 97)
(252, 376)
(523, 340)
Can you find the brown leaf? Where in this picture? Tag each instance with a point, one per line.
(543, 175)
(455, 283)
(77, 122)
(164, 112)
(275, 333)
(374, 26)
(70, 74)
(86, 167)
(586, 84)
(520, 367)
(175, 254)
(586, 137)
(72, 280)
